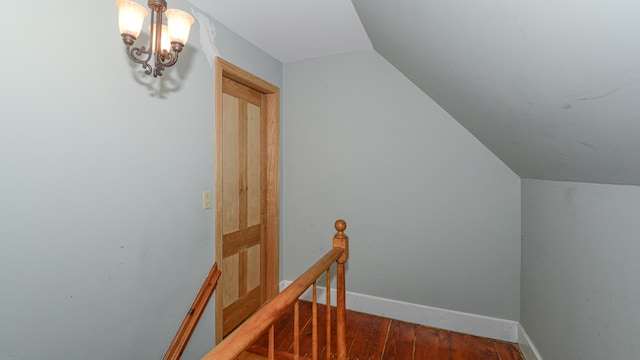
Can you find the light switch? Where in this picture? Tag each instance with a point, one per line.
(206, 200)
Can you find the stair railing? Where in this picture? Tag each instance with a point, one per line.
(190, 322)
(247, 333)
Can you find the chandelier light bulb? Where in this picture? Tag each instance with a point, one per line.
(179, 23)
(165, 41)
(130, 17)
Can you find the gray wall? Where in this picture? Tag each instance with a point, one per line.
(434, 217)
(103, 242)
(580, 285)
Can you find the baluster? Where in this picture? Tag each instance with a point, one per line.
(328, 307)
(314, 324)
(296, 331)
(341, 321)
(272, 346)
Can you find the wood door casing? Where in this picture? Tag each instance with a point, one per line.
(247, 194)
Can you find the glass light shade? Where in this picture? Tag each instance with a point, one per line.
(165, 42)
(130, 17)
(179, 25)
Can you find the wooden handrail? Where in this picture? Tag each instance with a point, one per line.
(247, 333)
(190, 322)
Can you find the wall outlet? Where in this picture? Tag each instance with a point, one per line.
(206, 200)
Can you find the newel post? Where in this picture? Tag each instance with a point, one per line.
(340, 240)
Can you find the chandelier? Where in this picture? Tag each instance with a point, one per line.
(167, 41)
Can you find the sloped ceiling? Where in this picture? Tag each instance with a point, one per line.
(551, 87)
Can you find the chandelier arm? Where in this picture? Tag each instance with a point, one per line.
(165, 60)
(135, 54)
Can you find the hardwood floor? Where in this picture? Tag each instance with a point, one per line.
(374, 337)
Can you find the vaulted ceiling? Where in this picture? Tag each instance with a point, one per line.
(551, 87)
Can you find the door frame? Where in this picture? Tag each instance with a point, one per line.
(270, 113)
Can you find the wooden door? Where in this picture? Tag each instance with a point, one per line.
(245, 203)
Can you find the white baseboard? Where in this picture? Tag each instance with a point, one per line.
(527, 348)
(493, 328)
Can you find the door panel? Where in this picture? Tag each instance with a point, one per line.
(254, 168)
(230, 166)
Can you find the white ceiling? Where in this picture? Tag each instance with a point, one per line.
(292, 30)
(551, 87)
